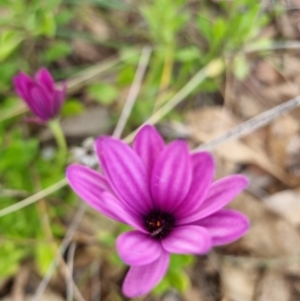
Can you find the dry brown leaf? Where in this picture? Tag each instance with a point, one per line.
(285, 203)
(249, 107)
(86, 50)
(281, 132)
(47, 296)
(269, 236)
(238, 281)
(291, 65)
(266, 73)
(192, 295)
(272, 286)
(211, 122)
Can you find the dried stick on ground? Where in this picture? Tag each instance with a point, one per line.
(69, 276)
(252, 124)
(134, 90)
(66, 241)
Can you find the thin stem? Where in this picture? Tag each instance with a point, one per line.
(134, 90)
(214, 68)
(166, 77)
(66, 241)
(34, 198)
(59, 136)
(70, 265)
(252, 124)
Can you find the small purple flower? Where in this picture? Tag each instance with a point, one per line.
(40, 94)
(166, 194)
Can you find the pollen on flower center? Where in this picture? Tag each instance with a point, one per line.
(159, 224)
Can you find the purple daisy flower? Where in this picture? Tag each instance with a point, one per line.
(167, 195)
(40, 94)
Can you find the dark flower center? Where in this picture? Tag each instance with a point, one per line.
(159, 224)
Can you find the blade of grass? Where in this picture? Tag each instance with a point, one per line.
(34, 198)
(134, 90)
(66, 241)
(211, 70)
(69, 279)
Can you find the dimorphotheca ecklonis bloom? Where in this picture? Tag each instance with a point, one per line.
(167, 195)
(40, 94)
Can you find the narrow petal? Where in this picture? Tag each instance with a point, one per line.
(141, 280)
(23, 83)
(59, 97)
(203, 173)
(125, 172)
(148, 144)
(93, 189)
(136, 248)
(40, 103)
(225, 226)
(220, 194)
(171, 176)
(44, 78)
(188, 239)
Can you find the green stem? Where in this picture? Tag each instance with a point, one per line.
(59, 136)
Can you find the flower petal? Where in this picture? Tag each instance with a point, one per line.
(114, 209)
(188, 239)
(41, 102)
(59, 97)
(203, 173)
(171, 176)
(93, 189)
(225, 226)
(220, 194)
(23, 83)
(44, 78)
(136, 248)
(125, 172)
(141, 280)
(148, 144)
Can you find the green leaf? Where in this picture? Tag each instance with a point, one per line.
(179, 261)
(115, 259)
(46, 24)
(9, 41)
(162, 287)
(72, 107)
(44, 257)
(188, 54)
(126, 75)
(240, 67)
(12, 256)
(205, 27)
(57, 51)
(64, 17)
(179, 280)
(104, 93)
(130, 55)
